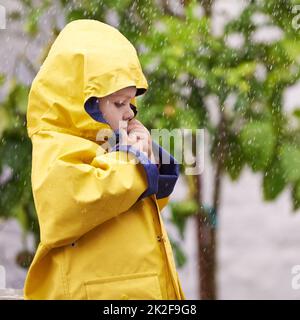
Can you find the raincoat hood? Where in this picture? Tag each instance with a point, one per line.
(88, 59)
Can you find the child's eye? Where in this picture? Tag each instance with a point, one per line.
(119, 104)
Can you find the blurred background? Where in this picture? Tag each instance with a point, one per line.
(230, 67)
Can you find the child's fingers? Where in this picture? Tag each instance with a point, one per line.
(140, 135)
(137, 138)
(135, 128)
(134, 121)
(135, 124)
(127, 139)
(123, 136)
(139, 130)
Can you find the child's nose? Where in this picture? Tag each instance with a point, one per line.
(128, 114)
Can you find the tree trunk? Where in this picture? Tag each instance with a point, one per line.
(207, 6)
(206, 220)
(206, 250)
(206, 226)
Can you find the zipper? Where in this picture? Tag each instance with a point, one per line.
(161, 239)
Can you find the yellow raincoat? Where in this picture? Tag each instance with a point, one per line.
(99, 238)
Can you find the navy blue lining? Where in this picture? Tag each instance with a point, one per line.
(168, 172)
(92, 108)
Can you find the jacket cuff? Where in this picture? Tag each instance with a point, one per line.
(150, 168)
(168, 171)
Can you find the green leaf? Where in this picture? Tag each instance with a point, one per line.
(15, 15)
(20, 214)
(21, 97)
(15, 153)
(31, 24)
(273, 181)
(2, 79)
(292, 48)
(76, 14)
(64, 2)
(4, 120)
(184, 208)
(258, 141)
(189, 119)
(296, 195)
(181, 211)
(27, 3)
(290, 159)
(180, 256)
(296, 113)
(234, 158)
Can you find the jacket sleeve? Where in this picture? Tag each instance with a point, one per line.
(77, 186)
(168, 174)
(162, 184)
(151, 169)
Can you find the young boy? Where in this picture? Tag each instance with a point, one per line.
(102, 235)
(119, 113)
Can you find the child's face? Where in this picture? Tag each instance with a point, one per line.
(116, 106)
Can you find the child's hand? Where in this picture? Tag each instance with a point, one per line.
(141, 134)
(138, 137)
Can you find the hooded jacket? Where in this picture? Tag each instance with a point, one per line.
(102, 235)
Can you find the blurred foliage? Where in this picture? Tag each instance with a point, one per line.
(181, 211)
(184, 63)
